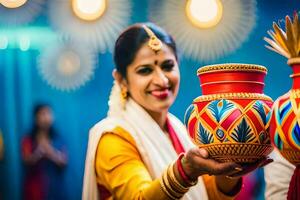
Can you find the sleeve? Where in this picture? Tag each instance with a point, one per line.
(120, 169)
(26, 147)
(212, 190)
(277, 177)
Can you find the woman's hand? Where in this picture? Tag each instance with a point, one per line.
(247, 168)
(49, 152)
(197, 162)
(228, 175)
(58, 157)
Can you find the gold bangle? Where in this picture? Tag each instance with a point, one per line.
(169, 187)
(173, 180)
(237, 95)
(165, 189)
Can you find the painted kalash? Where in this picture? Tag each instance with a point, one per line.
(230, 119)
(285, 118)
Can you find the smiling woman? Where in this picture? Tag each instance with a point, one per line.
(152, 79)
(140, 150)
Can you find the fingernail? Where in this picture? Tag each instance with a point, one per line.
(238, 169)
(204, 153)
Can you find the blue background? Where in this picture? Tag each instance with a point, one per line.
(75, 112)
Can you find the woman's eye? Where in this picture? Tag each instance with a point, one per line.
(167, 66)
(144, 70)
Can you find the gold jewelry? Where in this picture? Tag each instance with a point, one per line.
(169, 187)
(154, 43)
(168, 184)
(124, 95)
(174, 182)
(164, 188)
(238, 95)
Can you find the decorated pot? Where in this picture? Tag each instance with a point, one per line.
(285, 119)
(230, 119)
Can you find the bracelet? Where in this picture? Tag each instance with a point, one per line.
(174, 182)
(164, 188)
(170, 184)
(182, 173)
(170, 189)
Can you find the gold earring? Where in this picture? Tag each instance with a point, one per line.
(124, 95)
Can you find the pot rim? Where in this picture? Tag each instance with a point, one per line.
(231, 67)
(230, 96)
(293, 61)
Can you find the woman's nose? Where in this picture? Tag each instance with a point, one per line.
(160, 78)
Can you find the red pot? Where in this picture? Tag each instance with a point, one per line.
(230, 118)
(285, 122)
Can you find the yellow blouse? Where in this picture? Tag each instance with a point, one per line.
(120, 169)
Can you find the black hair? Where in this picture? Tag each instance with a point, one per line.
(35, 128)
(131, 40)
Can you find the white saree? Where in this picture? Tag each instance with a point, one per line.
(154, 146)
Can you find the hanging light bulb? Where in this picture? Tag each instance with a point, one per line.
(204, 13)
(13, 3)
(89, 10)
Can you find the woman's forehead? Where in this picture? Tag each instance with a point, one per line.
(146, 53)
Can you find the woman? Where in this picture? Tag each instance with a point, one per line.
(44, 158)
(137, 152)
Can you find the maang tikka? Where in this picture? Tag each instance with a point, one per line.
(154, 43)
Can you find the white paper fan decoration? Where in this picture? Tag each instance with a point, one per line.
(67, 66)
(99, 34)
(20, 15)
(206, 44)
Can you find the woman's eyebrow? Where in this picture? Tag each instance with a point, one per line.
(142, 65)
(167, 61)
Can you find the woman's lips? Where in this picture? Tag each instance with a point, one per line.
(161, 94)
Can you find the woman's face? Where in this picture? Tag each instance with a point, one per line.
(153, 78)
(44, 118)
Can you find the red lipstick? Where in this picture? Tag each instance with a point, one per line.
(160, 94)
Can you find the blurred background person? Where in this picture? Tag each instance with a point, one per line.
(1, 146)
(44, 157)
